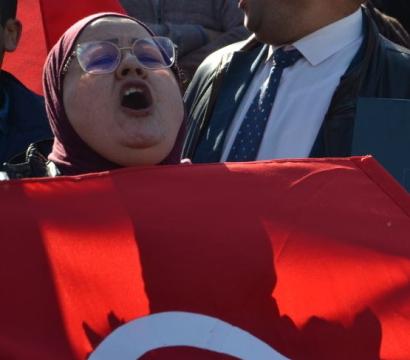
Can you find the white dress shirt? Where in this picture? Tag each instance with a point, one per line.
(305, 90)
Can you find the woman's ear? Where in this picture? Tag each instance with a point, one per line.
(12, 33)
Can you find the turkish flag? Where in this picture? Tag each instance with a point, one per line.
(305, 258)
(44, 21)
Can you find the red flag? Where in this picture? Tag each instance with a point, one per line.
(310, 258)
(58, 16)
(44, 21)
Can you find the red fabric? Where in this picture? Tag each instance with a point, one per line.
(310, 256)
(44, 21)
(58, 16)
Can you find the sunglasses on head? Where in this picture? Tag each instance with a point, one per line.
(103, 57)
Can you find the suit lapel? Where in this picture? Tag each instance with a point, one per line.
(238, 75)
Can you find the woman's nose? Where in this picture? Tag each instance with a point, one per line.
(129, 65)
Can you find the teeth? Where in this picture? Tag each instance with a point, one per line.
(132, 90)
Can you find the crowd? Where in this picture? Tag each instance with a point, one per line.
(267, 79)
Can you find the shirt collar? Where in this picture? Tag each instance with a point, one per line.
(327, 41)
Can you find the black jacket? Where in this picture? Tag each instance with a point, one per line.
(380, 69)
(26, 121)
(399, 9)
(389, 26)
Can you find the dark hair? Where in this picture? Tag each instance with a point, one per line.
(8, 10)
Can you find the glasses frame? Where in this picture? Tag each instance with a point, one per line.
(120, 50)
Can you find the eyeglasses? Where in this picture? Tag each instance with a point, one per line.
(103, 57)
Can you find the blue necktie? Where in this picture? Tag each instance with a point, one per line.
(250, 134)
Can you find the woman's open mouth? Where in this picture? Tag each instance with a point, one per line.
(136, 98)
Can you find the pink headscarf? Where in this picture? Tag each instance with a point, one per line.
(70, 153)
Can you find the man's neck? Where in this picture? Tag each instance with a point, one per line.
(313, 24)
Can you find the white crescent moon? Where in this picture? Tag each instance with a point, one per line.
(136, 338)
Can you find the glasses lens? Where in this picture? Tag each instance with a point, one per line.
(155, 53)
(98, 57)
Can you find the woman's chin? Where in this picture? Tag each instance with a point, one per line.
(141, 156)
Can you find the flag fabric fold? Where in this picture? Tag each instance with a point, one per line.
(309, 257)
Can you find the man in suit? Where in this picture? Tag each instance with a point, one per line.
(22, 113)
(292, 89)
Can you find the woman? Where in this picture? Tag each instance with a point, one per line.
(112, 98)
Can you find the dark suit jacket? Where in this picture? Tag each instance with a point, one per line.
(380, 69)
(26, 121)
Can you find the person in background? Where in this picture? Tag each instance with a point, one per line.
(22, 114)
(113, 99)
(292, 90)
(197, 27)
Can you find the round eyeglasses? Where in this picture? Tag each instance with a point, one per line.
(103, 57)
